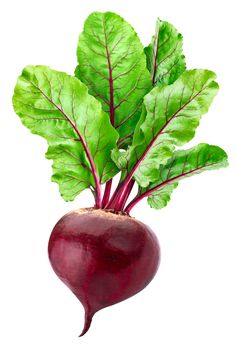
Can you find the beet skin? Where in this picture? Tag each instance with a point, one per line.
(104, 258)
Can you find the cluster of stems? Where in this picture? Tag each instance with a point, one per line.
(118, 200)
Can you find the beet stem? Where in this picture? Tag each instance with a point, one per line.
(107, 192)
(130, 206)
(122, 201)
(113, 197)
(87, 322)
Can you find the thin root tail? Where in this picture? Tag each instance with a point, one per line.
(87, 322)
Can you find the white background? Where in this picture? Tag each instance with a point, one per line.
(193, 297)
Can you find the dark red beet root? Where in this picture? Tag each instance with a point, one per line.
(102, 257)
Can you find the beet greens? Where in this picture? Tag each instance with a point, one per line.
(126, 110)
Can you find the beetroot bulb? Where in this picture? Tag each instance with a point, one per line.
(104, 258)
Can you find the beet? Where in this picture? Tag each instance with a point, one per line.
(103, 257)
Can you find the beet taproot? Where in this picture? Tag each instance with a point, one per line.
(103, 257)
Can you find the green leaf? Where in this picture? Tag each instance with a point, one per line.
(172, 115)
(165, 59)
(159, 199)
(184, 163)
(112, 64)
(58, 107)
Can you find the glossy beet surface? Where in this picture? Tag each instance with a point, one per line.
(102, 257)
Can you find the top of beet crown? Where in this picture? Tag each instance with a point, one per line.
(109, 213)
